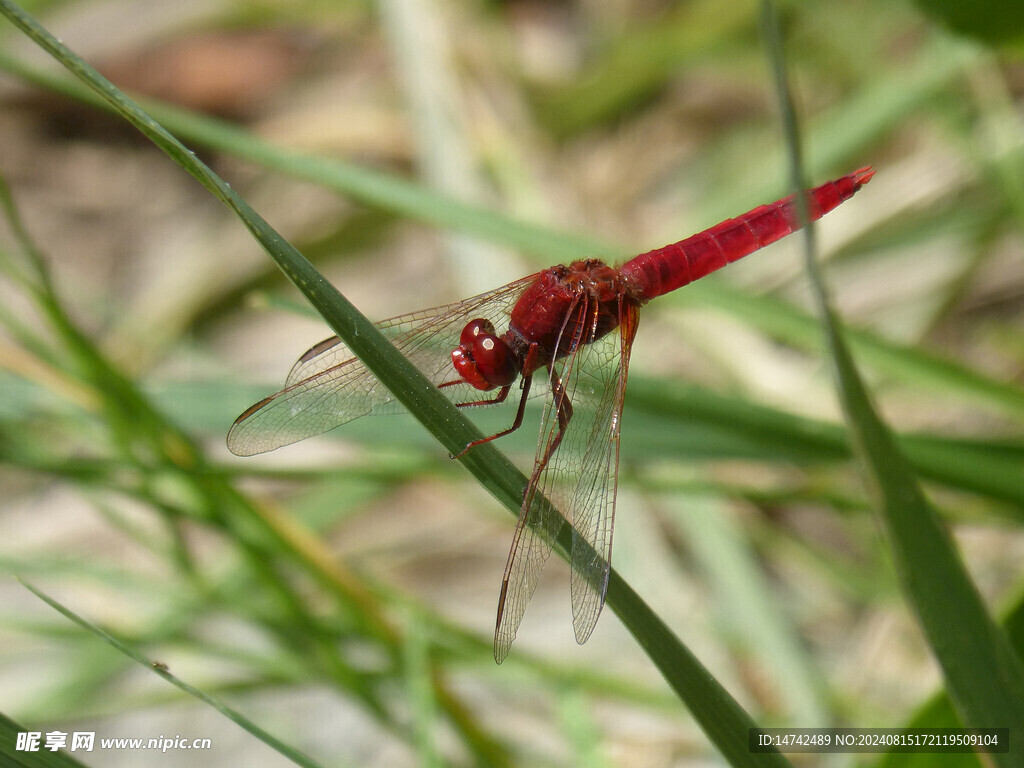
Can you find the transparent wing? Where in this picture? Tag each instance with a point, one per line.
(578, 478)
(329, 386)
(592, 504)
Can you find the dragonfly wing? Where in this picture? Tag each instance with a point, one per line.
(538, 528)
(592, 504)
(330, 386)
(306, 408)
(579, 479)
(540, 521)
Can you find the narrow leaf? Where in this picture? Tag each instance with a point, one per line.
(289, 752)
(984, 676)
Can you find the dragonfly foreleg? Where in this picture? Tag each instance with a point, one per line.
(498, 398)
(516, 423)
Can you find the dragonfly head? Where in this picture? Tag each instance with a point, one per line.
(482, 358)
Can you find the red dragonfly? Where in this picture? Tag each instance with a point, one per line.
(577, 324)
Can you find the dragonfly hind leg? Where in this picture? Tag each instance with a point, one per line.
(564, 406)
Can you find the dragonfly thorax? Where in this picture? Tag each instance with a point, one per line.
(484, 359)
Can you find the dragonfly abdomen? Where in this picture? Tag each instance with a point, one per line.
(663, 270)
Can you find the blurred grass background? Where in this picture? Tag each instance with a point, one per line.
(341, 592)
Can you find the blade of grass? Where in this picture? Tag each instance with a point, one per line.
(289, 752)
(44, 758)
(420, 694)
(983, 674)
(721, 717)
(582, 732)
(938, 711)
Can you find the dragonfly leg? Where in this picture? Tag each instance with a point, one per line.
(516, 423)
(564, 407)
(528, 364)
(498, 398)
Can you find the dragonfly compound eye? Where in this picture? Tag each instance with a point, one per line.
(484, 359)
(475, 328)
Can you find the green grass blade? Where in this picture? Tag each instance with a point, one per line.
(583, 733)
(289, 752)
(938, 711)
(984, 676)
(719, 714)
(423, 705)
(44, 758)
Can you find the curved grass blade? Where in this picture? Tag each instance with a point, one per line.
(291, 753)
(14, 758)
(938, 711)
(718, 714)
(984, 676)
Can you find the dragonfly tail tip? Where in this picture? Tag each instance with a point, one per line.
(863, 175)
